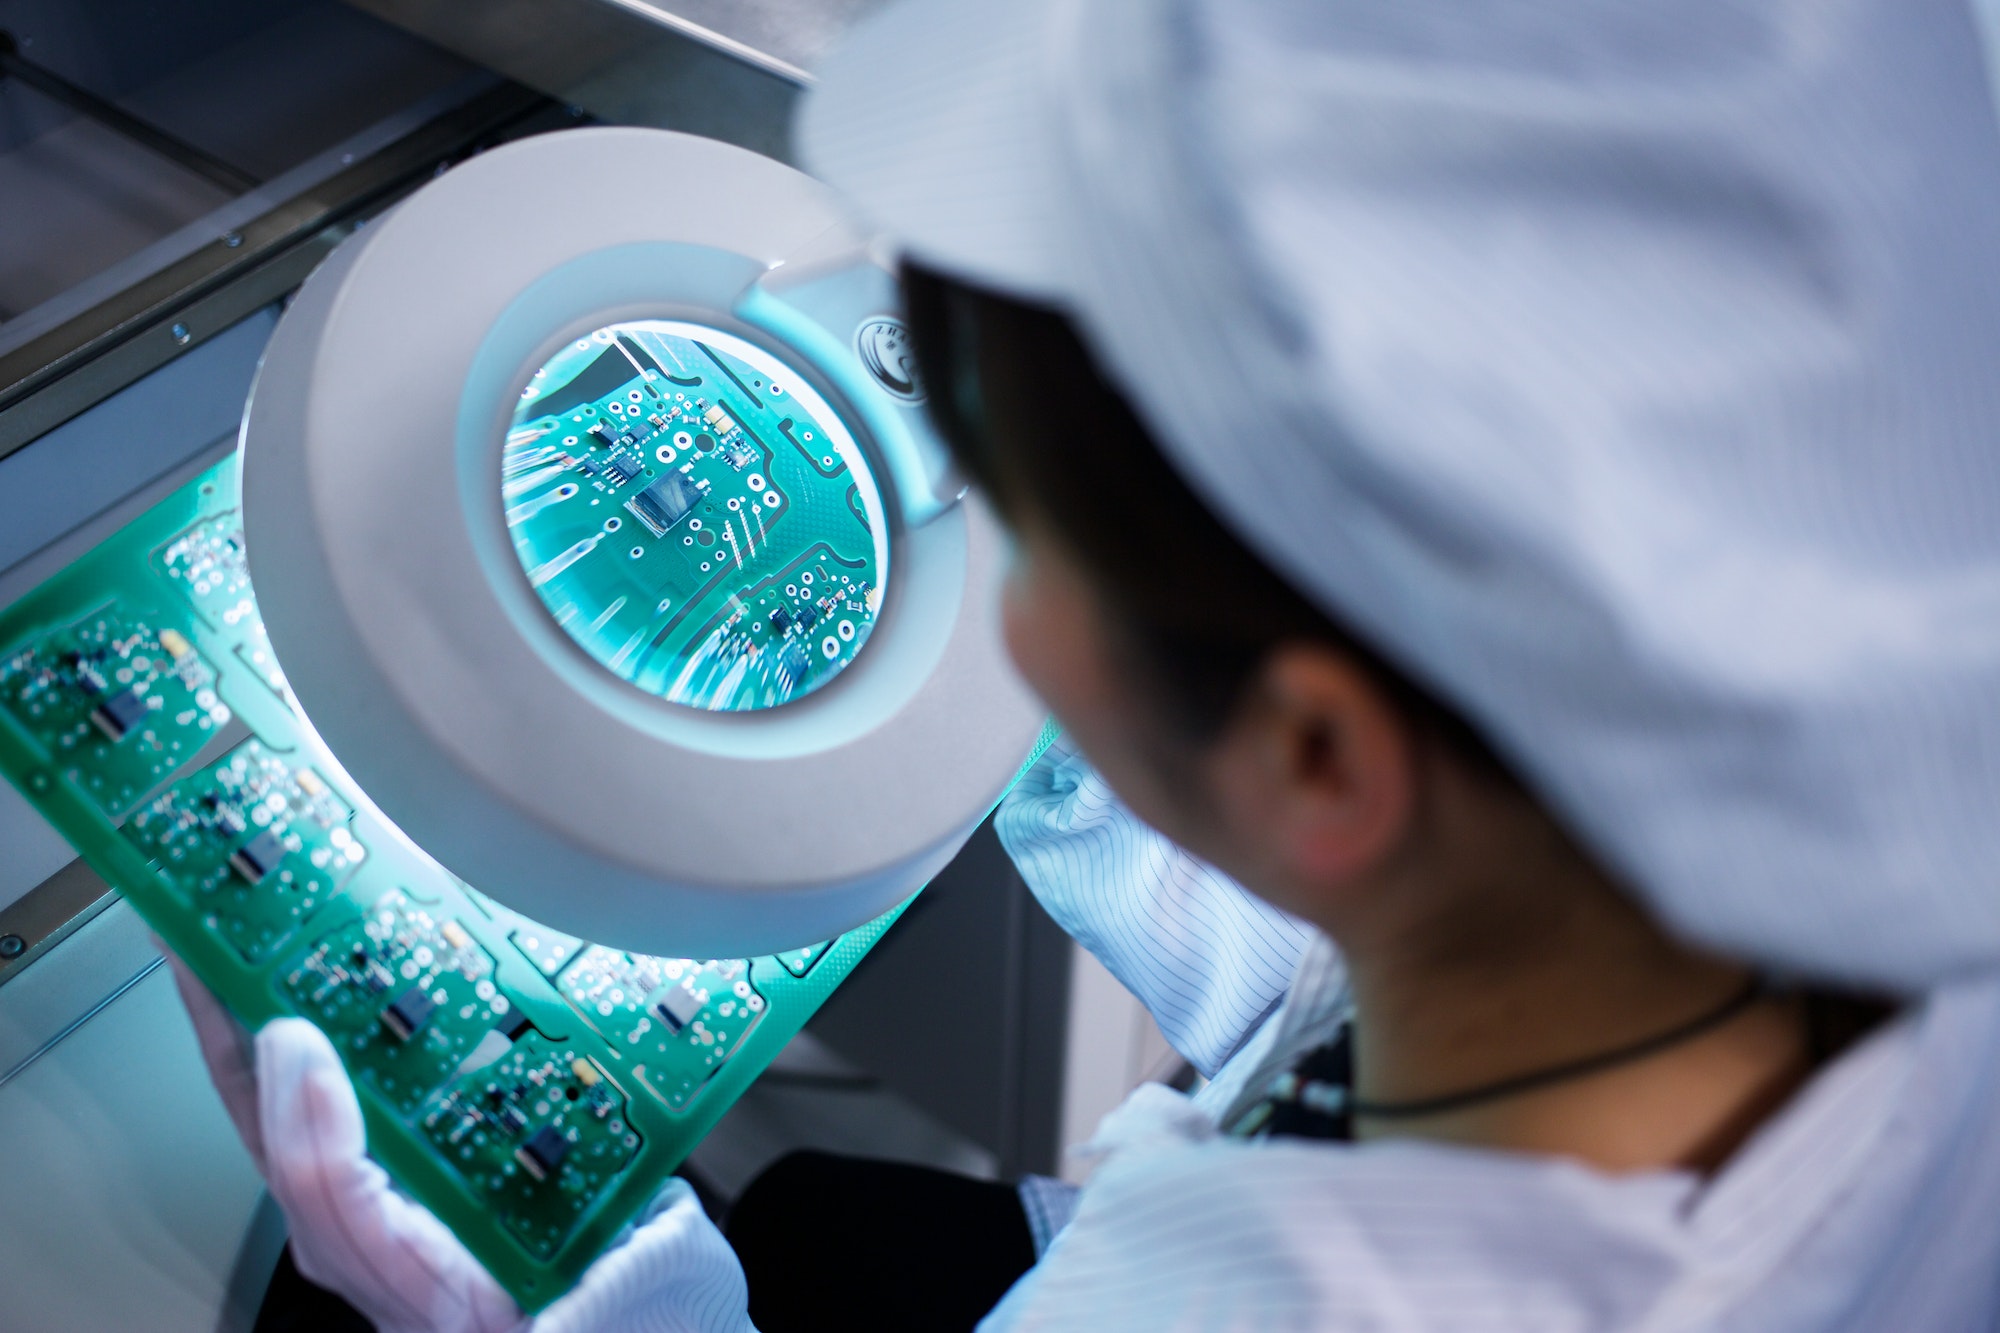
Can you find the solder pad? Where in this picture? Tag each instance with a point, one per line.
(533, 1090)
(694, 515)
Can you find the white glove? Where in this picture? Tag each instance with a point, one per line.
(352, 1233)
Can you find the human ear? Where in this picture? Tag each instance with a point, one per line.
(1316, 771)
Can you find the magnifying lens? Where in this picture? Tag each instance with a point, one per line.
(602, 538)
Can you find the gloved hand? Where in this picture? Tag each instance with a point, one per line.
(391, 1258)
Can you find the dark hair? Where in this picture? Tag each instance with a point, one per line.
(1030, 416)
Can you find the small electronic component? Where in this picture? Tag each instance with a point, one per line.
(678, 1007)
(543, 1152)
(626, 467)
(175, 643)
(407, 1013)
(119, 714)
(794, 666)
(666, 502)
(257, 858)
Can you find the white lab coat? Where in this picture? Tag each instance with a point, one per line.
(1872, 1202)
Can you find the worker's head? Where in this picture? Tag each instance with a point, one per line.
(1626, 388)
(1227, 708)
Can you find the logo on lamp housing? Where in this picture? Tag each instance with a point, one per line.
(884, 347)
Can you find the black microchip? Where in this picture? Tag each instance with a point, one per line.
(666, 502)
(780, 618)
(626, 467)
(408, 1012)
(257, 858)
(795, 664)
(808, 618)
(120, 713)
(543, 1152)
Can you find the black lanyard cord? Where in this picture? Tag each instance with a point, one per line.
(1757, 989)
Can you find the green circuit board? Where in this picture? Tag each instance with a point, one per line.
(533, 1090)
(697, 518)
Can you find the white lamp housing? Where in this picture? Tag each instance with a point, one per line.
(379, 547)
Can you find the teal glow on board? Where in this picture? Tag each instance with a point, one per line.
(142, 713)
(695, 515)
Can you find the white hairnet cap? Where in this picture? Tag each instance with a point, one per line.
(1629, 374)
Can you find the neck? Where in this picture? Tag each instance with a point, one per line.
(1550, 968)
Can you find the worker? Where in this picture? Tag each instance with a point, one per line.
(1507, 514)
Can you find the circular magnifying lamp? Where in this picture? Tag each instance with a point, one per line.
(596, 523)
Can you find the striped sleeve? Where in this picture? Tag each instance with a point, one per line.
(1208, 959)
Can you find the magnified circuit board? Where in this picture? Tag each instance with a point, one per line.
(531, 1089)
(694, 515)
